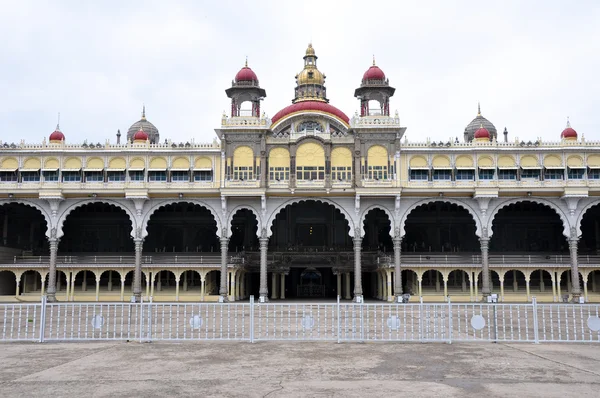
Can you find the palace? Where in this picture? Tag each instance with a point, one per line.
(309, 203)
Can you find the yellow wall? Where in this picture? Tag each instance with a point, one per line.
(279, 157)
(341, 157)
(116, 163)
(310, 154)
(377, 156)
(464, 161)
(441, 161)
(180, 163)
(243, 156)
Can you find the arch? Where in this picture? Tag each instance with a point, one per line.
(593, 160)
(464, 161)
(243, 156)
(575, 161)
(310, 154)
(95, 163)
(203, 163)
(364, 214)
(441, 161)
(418, 162)
(544, 202)
(9, 163)
(377, 155)
(51, 164)
(529, 161)
(158, 163)
(180, 163)
(582, 214)
(33, 204)
(32, 164)
(279, 157)
(233, 212)
(467, 207)
(72, 163)
(341, 157)
(485, 161)
(552, 161)
(72, 206)
(506, 161)
(268, 227)
(144, 224)
(117, 163)
(137, 163)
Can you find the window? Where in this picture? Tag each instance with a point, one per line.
(530, 174)
(419, 175)
(341, 173)
(71, 176)
(30, 176)
(180, 176)
(157, 176)
(507, 174)
(486, 174)
(137, 175)
(594, 174)
(465, 175)
(243, 173)
(310, 173)
(439, 175)
(50, 176)
(377, 173)
(554, 174)
(94, 176)
(279, 173)
(115, 176)
(8, 176)
(575, 174)
(203, 175)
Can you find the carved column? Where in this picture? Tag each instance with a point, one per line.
(397, 269)
(486, 289)
(575, 285)
(357, 267)
(263, 290)
(51, 292)
(223, 287)
(137, 273)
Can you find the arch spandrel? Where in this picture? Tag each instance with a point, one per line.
(72, 163)
(143, 226)
(9, 163)
(529, 161)
(51, 164)
(158, 163)
(540, 201)
(268, 225)
(95, 163)
(180, 162)
(472, 211)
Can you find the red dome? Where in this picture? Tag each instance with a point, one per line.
(310, 106)
(568, 133)
(482, 132)
(374, 73)
(140, 136)
(57, 135)
(246, 75)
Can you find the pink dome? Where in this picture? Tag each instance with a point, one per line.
(482, 132)
(57, 135)
(374, 73)
(140, 136)
(310, 106)
(246, 75)
(568, 133)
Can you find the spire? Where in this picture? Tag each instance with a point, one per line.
(568, 123)
(58, 122)
(478, 108)
(246, 64)
(373, 59)
(144, 112)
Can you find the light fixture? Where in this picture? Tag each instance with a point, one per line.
(10, 195)
(441, 194)
(528, 193)
(180, 196)
(94, 195)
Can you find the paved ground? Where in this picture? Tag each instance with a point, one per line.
(298, 369)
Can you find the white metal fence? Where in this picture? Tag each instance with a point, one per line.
(341, 322)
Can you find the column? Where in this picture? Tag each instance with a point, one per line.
(357, 269)
(397, 269)
(177, 278)
(347, 292)
(445, 285)
(475, 280)
(420, 279)
(232, 285)
(389, 292)
(485, 269)
(84, 282)
(44, 283)
(527, 287)
(471, 287)
(515, 284)
(542, 285)
(559, 293)
(380, 285)
(18, 280)
(223, 287)
(97, 287)
(463, 285)
(501, 274)
(152, 281)
(384, 284)
(339, 284)
(137, 273)
(575, 285)
(263, 290)
(72, 291)
(122, 287)
(52, 270)
(69, 274)
(110, 281)
(273, 286)
(202, 286)
(185, 282)
(149, 281)
(282, 286)
(585, 289)
(553, 279)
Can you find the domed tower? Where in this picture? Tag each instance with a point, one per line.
(57, 136)
(144, 125)
(374, 87)
(245, 88)
(478, 123)
(310, 82)
(569, 133)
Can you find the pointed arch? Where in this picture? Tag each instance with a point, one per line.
(232, 214)
(544, 202)
(158, 205)
(582, 214)
(459, 203)
(35, 205)
(364, 214)
(268, 226)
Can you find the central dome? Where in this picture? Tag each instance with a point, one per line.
(145, 126)
(478, 123)
(317, 106)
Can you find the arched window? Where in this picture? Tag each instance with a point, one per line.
(377, 160)
(341, 165)
(279, 164)
(243, 163)
(310, 162)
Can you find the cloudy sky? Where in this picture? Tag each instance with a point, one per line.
(530, 63)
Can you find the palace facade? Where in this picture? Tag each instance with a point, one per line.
(309, 203)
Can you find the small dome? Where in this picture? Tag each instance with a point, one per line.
(310, 76)
(482, 133)
(57, 135)
(374, 73)
(146, 126)
(310, 51)
(140, 136)
(476, 124)
(568, 133)
(246, 75)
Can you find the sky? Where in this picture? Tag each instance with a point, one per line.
(531, 64)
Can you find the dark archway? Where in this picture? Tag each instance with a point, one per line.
(377, 226)
(589, 241)
(528, 227)
(440, 227)
(23, 230)
(97, 228)
(8, 283)
(244, 227)
(182, 227)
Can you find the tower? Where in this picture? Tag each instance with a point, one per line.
(374, 87)
(310, 82)
(245, 88)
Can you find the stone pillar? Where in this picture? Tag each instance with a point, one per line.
(502, 288)
(420, 279)
(515, 283)
(273, 286)
(18, 280)
(575, 285)
(43, 283)
(339, 284)
(358, 293)
(223, 288)
(149, 281)
(585, 289)
(68, 292)
(542, 285)
(486, 289)
(263, 290)
(84, 282)
(397, 269)
(379, 285)
(558, 292)
(122, 287)
(177, 278)
(72, 291)
(527, 287)
(232, 285)
(471, 287)
(389, 286)
(185, 281)
(384, 285)
(97, 288)
(137, 273)
(437, 281)
(553, 279)
(51, 292)
(445, 277)
(110, 283)
(202, 286)
(282, 286)
(347, 290)
(475, 280)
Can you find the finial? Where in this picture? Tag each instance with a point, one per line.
(568, 123)
(373, 59)
(58, 122)
(144, 112)
(246, 65)
(478, 108)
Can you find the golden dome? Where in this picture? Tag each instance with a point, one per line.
(310, 75)
(310, 51)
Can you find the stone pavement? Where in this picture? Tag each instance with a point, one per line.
(300, 369)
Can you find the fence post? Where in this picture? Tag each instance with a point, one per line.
(43, 319)
(252, 319)
(141, 318)
(421, 318)
(362, 321)
(449, 321)
(339, 332)
(536, 335)
(149, 333)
